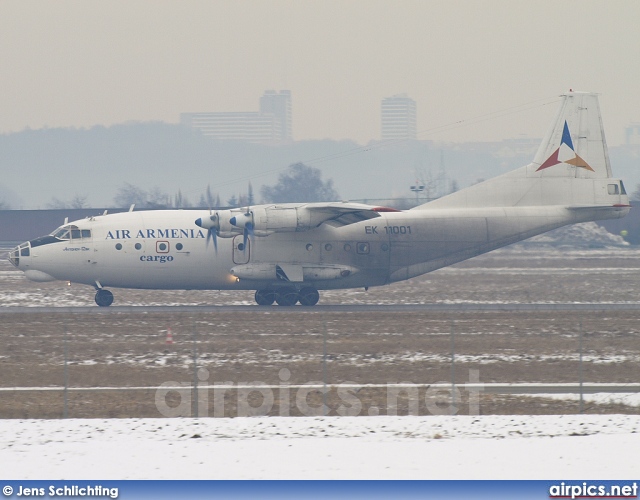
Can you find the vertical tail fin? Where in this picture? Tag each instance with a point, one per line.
(575, 145)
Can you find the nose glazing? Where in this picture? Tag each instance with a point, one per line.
(23, 250)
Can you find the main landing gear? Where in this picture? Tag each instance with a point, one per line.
(287, 296)
(104, 298)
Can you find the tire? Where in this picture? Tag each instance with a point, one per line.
(265, 297)
(104, 298)
(308, 296)
(287, 297)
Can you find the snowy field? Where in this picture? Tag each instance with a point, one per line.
(436, 447)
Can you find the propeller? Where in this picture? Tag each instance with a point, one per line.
(212, 224)
(245, 222)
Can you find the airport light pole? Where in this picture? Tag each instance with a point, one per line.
(194, 410)
(324, 369)
(453, 370)
(580, 367)
(65, 413)
(417, 188)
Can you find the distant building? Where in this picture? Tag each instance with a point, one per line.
(398, 117)
(270, 125)
(632, 134)
(279, 105)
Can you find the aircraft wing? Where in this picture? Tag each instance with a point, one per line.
(342, 214)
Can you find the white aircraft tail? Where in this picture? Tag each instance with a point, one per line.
(571, 168)
(575, 141)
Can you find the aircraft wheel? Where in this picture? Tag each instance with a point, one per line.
(309, 296)
(287, 297)
(104, 298)
(265, 297)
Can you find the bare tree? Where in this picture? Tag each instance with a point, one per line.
(79, 201)
(56, 204)
(157, 199)
(300, 183)
(128, 195)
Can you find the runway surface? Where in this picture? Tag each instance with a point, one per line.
(489, 388)
(332, 308)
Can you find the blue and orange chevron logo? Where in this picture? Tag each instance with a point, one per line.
(576, 161)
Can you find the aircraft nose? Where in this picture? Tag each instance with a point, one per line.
(19, 252)
(14, 256)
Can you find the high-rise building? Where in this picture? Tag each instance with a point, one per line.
(270, 125)
(632, 134)
(398, 117)
(279, 105)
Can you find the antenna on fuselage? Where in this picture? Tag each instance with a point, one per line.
(133, 205)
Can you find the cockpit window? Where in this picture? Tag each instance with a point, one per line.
(624, 191)
(62, 234)
(71, 232)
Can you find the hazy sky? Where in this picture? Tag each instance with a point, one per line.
(82, 63)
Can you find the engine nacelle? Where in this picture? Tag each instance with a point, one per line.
(295, 273)
(263, 220)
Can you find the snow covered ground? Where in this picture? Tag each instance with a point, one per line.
(434, 447)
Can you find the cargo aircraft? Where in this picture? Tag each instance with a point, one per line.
(287, 252)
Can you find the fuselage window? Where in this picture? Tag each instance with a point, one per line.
(86, 233)
(118, 246)
(362, 248)
(138, 246)
(179, 246)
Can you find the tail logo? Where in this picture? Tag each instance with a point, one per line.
(565, 151)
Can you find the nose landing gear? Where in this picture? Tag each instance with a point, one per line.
(104, 298)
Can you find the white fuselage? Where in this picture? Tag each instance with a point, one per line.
(166, 250)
